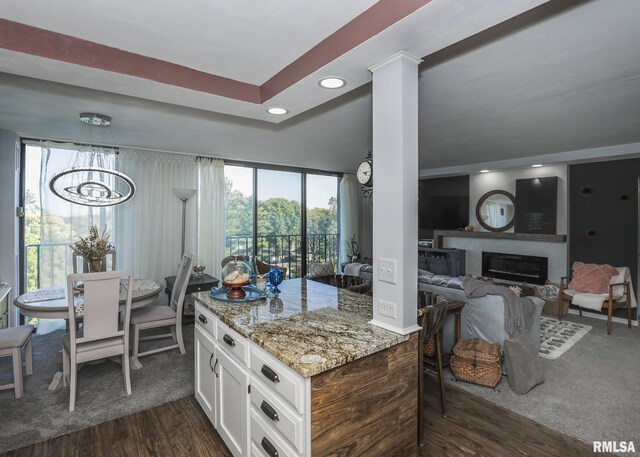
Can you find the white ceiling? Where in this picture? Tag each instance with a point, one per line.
(249, 40)
(551, 80)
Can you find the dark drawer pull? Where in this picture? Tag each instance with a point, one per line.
(227, 339)
(270, 374)
(268, 447)
(202, 318)
(269, 411)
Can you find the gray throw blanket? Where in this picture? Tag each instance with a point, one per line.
(513, 310)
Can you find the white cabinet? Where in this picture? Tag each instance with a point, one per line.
(222, 384)
(233, 404)
(231, 373)
(205, 378)
(280, 412)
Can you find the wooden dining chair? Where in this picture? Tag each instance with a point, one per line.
(431, 318)
(154, 316)
(102, 334)
(263, 268)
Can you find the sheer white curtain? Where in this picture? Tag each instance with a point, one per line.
(149, 226)
(53, 223)
(349, 195)
(212, 220)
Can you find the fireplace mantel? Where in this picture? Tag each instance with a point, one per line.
(438, 235)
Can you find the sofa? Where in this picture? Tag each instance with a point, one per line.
(481, 317)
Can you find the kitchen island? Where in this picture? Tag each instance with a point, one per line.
(305, 374)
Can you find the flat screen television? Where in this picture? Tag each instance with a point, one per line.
(443, 204)
(444, 213)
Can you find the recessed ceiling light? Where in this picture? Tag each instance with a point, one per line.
(485, 171)
(332, 82)
(537, 165)
(277, 111)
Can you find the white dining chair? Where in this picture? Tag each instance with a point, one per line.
(12, 341)
(102, 334)
(153, 316)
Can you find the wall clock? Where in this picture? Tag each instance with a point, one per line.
(364, 173)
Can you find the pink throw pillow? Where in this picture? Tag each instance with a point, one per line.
(591, 278)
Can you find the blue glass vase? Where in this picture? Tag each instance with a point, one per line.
(275, 278)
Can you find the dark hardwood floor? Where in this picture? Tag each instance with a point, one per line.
(474, 427)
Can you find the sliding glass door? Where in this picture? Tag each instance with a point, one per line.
(279, 234)
(322, 219)
(239, 206)
(284, 218)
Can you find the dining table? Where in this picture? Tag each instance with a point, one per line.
(52, 303)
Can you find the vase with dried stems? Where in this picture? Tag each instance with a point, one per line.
(93, 248)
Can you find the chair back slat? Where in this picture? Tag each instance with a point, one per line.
(182, 282)
(101, 299)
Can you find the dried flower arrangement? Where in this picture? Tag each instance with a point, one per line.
(94, 247)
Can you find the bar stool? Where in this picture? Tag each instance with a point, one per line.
(12, 342)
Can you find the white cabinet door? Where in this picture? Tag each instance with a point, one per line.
(205, 376)
(233, 405)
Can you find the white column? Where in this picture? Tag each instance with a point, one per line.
(395, 192)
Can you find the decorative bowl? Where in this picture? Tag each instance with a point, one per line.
(235, 275)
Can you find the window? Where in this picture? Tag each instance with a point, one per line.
(52, 224)
(279, 220)
(239, 208)
(322, 219)
(280, 234)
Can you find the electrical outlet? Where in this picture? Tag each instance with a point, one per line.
(386, 308)
(387, 270)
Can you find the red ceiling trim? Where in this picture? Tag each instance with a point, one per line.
(379, 17)
(57, 46)
(52, 45)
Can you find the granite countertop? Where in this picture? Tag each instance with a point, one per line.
(317, 327)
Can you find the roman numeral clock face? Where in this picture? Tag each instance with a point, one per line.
(365, 173)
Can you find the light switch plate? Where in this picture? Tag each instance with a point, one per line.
(387, 270)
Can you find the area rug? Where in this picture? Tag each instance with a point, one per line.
(557, 337)
(42, 414)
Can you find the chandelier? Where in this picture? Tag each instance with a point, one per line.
(90, 185)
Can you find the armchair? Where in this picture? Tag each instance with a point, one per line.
(619, 294)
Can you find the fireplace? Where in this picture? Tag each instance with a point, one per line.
(514, 267)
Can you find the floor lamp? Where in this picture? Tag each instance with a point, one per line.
(184, 195)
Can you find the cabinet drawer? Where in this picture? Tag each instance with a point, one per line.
(278, 377)
(233, 343)
(206, 320)
(266, 441)
(277, 414)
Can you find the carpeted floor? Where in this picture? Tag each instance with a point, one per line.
(42, 414)
(592, 392)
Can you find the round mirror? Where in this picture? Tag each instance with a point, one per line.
(495, 210)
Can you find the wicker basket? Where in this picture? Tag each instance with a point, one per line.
(429, 347)
(477, 361)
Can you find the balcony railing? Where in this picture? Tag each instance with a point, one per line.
(285, 250)
(49, 264)
(46, 264)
